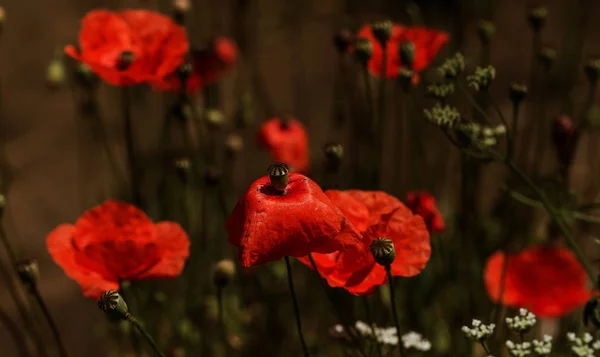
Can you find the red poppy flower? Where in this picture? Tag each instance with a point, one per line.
(427, 42)
(130, 46)
(287, 142)
(548, 281)
(423, 204)
(116, 241)
(266, 225)
(208, 65)
(355, 269)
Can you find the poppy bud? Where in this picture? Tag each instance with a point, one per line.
(279, 175)
(486, 30)
(592, 70)
(405, 77)
(363, 50)
(342, 40)
(407, 54)
(537, 18)
(183, 166)
(517, 93)
(382, 30)
(28, 272)
(334, 152)
(214, 118)
(212, 176)
(184, 72)
(113, 305)
(125, 60)
(180, 9)
(223, 272)
(55, 73)
(383, 251)
(547, 56)
(234, 144)
(84, 76)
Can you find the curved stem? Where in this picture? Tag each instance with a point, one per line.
(388, 270)
(296, 309)
(50, 321)
(146, 335)
(473, 102)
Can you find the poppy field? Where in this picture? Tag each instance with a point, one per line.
(444, 203)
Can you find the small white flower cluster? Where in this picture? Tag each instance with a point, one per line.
(518, 349)
(583, 346)
(386, 336)
(478, 331)
(522, 322)
(415, 340)
(543, 347)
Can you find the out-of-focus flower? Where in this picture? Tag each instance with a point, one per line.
(208, 66)
(478, 331)
(286, 140)
(424, 204)
(584, 345)
(563, 137)
(427, 43)
(278, 217)
(523, 322)
(130, 46)
(521, 349)
(116, 241)
(415, 340)
(548, 281)
(543, 347)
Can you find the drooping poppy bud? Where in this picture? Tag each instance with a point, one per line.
(113, 305)
(286, 140)
(364, 50)
(517, 93)
(223, 272)
(28, 272)
(537, 18)
(267, 225)
(383, 251)
(334, 152)
(563, 135)
(382, 30)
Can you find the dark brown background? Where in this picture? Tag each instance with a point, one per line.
(295, 59)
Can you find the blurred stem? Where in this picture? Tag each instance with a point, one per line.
(401, 168)
(369, 316)
(296, 309)
(18, 337)
(515, 126)
(482, 114)
(485, 348)
(130, 148)
(380, 119)
(222, 321)
(146, 335)
(51, 323)
(388, 270)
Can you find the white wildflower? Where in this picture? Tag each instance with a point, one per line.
(543, 347)
(580, 346)
(415, 340)
(518, 349)
(478, 331)
(522, 322)
(363, 328)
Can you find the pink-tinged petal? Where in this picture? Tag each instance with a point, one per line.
(174, 246)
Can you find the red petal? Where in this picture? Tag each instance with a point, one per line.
(353, 209)
(364, 281)
(378, 203)
(288, 145)
(266, 227)
(428, 43)
(61, 248)
(174, 247)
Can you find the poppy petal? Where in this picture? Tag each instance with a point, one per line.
(353, 209)
(378, 203)
(174, 246)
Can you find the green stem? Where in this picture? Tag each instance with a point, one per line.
(146, 335)
(485, 348)
(130, 148)
(51, 323)
(296, 309)
(513, 136)
(222, 326)
(18, 337)
(367, 306)
(473, 102)
(388, 270)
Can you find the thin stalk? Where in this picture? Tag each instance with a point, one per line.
(296, 309)
(18, 337)
(474, 103)
(502, 119)
(146, 335)
(485, 348)
(51, 323)
(513, 136)
(388, 270)
(221, 316)
(367, 307)
(130, 148)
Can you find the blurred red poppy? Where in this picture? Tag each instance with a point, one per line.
(267, 226)
(427, 42)
(116, 241)
(355, 269)
(548, 281)
(209, 65)
(423, 204)
(130, 46)
(286, 141)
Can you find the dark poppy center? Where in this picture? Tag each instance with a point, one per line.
(125, 60)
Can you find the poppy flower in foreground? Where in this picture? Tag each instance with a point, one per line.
(130, 46)
(208, 66)
(116, 241)
(286, 140)
(548, 281)
(381, 215)
(423, 204)
(427, 43)
(290, 216)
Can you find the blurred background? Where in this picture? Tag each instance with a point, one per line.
(291, 52)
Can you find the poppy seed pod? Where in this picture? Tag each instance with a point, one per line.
(382, 30)
(342, 40)
(537, 18)
(363, 50)
(279, 175)
(383, 251)
(113, 306)
(334, 152)
(517, 93)
(28, 272)
(407, 54)
(125, 60)
(223, 272)
(486, 30)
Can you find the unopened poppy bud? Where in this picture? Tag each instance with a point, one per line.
(56, 73)
(113, 305)
(84, 76)
(407, 54)
(342, 40)
(382, 30)
(363, 50)
(214, 118)
(486, 30)
(517, 93)
(212, 176)
(405, 77)
(183, 166)
(592, 70)
(383, 251)
(537, 18)
(28, 272)
(279, 175)
(223, 272)
(234, 144)
(125, 60)
(180, 9)
(547, 56)
(334, 152)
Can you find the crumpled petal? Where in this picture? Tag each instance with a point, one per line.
(352, 208)
(174, 245)
(377, 203)
(286, 144)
